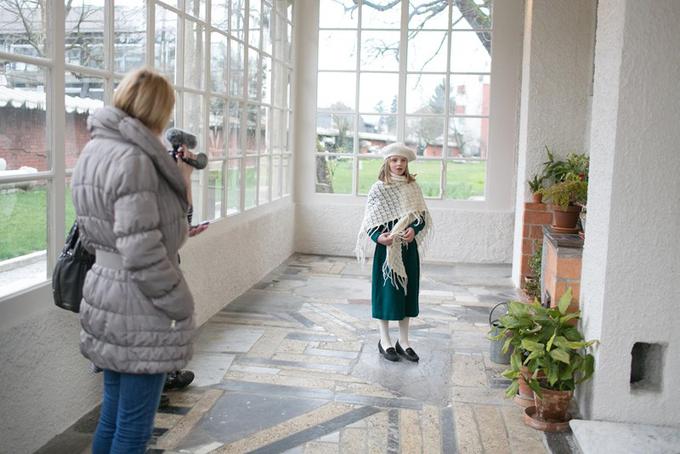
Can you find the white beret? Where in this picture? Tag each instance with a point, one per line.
(398, 149)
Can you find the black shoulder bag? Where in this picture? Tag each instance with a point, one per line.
(69, 273)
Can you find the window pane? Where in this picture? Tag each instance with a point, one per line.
(287, 170)
(425, 133)
(279, 84)
(219, 57)
(376, 129)
(428, 176)
(427, 51)
(129, 28)
(216, 145)
(380, 51)
(233, 186)
(254, 22)
(465, 180)
(276, 177)
(425, 93)
(372, 17)
(193, 55)
(251, 181)
(469, 137)
(234, 125)
(70, 214)
(193, 118)
(214, 191)
(253, 72)
(23, 122)
(251, 133)
(264, 138)
(24, 28)
(23, 233)
(338, 14)
(475, 15)
(84, 40)
(84, 95)
(378, 92)
(238, 18)
(368, 173)
(335, 132)
(266, 28)
(333, 174)
(336, 91)
(264, 181)
(236, 71)
(196, 8)
(265, 80)
(289, 132)
(337, 50)
(219, 14)
(468, 53)
(166, 42)
(428, 15)
(278, 130)
(470, 95)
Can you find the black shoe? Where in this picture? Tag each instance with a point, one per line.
(178, 379)
(390, 354)
(165, 401)
(408, 353)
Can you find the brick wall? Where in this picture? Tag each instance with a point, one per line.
(536, 215)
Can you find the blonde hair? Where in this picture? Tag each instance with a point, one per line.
(146, 95)
(385, 176)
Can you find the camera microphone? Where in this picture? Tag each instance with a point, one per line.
(177, 138)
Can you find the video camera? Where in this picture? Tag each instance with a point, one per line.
(177, 138)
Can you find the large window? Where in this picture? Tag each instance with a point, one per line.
(230, 63)
(416, 71)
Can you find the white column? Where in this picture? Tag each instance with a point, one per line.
(631, 264)
(556, 89)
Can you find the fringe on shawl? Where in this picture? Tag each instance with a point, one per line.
(423, 239)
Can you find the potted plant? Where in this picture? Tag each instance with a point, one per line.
(565, 197)
(535, 185)
(557, 170)
(532, 283)
(556, 348)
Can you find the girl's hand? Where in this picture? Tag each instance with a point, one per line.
(409, 235)
(385, 239)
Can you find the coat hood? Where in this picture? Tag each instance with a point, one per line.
(112, 123)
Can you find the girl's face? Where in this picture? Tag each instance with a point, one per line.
(398, 164)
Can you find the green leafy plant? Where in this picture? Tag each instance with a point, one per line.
(568, 192)
(548, 344)
(533, 285)
(557, 170)
(536, 183)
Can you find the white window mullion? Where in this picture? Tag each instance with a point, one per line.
(447, 98)
(243, 133)
(150, 33)
(204, 175)
(401, 97)
(56, 124)
(357, 78)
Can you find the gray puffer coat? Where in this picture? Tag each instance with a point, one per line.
(129, 196)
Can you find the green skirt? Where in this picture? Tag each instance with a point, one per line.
(389, 302)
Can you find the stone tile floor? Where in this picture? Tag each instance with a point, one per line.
(292, 366)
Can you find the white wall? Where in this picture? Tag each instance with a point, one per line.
(44, 381)
(631, 267)
(555, 101)
(466, 231)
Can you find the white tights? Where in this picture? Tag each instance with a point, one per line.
(385, 341)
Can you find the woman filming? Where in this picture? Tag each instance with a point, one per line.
(137, 311)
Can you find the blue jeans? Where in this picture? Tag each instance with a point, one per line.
(127, 413)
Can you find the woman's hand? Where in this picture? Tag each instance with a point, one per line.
(409, 234)
(185, 169)
(385, 239)
(197, 229)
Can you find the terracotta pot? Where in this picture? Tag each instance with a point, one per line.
(536, 197)
(525, 392)
(553, 405)
(565, 219)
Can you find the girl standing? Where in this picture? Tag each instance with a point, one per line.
(398, 221)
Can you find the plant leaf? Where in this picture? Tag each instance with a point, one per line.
(560, 355)
(565, 301)
(531, 346)
(512, 389)
(551, 340)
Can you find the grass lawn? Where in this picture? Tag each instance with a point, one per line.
(23, 228)
(464, 180)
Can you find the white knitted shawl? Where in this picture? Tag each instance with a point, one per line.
(399, 201)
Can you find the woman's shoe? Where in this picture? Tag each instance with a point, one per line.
(390, 354)
(408, 353)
